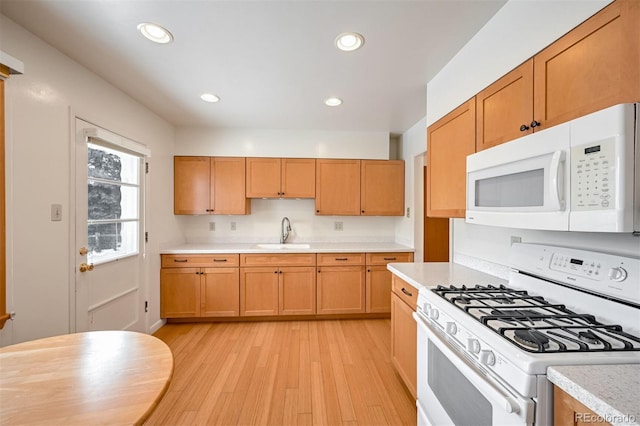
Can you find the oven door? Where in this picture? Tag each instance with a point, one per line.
(454, 391)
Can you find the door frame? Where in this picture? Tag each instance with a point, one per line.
(72, 266)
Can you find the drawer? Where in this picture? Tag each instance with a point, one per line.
(338, 259)
(275, 259)
(405, 291)
(200, 260)
(384, 258)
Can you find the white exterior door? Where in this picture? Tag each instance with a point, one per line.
(109, 231)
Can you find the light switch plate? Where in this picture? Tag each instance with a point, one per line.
(56, 212)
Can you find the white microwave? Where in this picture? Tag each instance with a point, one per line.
(577, 176)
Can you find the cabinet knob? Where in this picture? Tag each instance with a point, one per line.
(535, 123)
(524, 128)
(317, 211)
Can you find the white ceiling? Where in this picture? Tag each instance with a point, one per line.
(271, 62)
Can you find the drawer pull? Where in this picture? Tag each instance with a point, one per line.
(389, 258)
(180, 260)
(406, 292)
(219, 260)
(342, 258)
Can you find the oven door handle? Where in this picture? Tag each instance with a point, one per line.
(488, 389)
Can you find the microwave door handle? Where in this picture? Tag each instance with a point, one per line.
(556, 181)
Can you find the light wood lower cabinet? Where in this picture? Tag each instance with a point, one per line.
(404, 333)
(189, 290)
(569, 411)
(341, 283)
(378, 286)
(275, 284)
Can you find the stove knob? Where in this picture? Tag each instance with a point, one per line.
(617, 274)
(434, 314)
(487, 358)
(473, 346)
(451, 328)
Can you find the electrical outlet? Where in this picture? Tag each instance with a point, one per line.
(337, 226)
(233, 226)
(212, 226)
(515, 239)
(408, 212)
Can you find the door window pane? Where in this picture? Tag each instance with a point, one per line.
(113, 203)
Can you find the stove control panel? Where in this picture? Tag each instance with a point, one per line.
(602, 273)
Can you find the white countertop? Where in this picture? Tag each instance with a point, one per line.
(445, 273)
(611, 391)
(218, 248)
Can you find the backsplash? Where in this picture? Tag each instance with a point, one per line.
(263, 225)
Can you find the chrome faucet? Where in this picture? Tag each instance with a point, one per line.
(285, 230)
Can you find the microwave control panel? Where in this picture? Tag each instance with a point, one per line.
(593, 176)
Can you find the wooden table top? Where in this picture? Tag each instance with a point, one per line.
(99, 377)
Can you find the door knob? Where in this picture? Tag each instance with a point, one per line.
(84, 267)
(83, 251)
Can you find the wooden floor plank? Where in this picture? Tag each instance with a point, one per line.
(335, 372)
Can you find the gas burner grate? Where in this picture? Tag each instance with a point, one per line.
(535, 325)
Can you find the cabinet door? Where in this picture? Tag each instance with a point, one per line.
(263, 178)
(298, 178)
(191, 181)
(297, 291)
(505, 107)
(220, 292)
(179, 292)
(341, 289)
(378, 289)
(403, 342)
(338, 187)
(449, 141)
(594, 66)
(258, 291)
(382, 188)
(569, 411)
(228, 186)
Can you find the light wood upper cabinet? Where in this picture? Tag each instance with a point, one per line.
(298, 178)
(449, 141)
(338, 187)
(505, 108)
(281, 178)
(382, 188)
(228, 186)
(191, 182)
(360, 187)
(210, 185)
(594, 66)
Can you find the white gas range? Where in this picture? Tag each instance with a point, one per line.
(483, 350)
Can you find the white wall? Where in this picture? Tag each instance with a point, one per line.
(38, 147)
(263, 224)
(410, 230)
(518, 31)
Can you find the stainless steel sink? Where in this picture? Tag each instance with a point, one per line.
(289, 246)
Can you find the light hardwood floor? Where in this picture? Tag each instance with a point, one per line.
(332, 372)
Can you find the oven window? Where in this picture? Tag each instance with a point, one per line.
(464, 404)
(523, 189)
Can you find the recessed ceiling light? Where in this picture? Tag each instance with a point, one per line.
(349, 41)
(209, 97)
(332, 102)
(155, 33)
